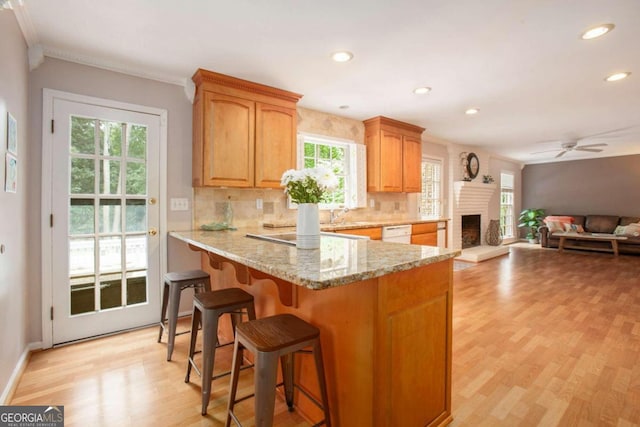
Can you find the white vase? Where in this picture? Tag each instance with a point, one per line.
(308, 226)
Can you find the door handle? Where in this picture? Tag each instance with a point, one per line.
(153, 232)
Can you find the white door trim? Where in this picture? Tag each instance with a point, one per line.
(48, 97)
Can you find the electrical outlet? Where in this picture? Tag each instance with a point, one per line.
(179, 204)
(372, 203)
(259, 204)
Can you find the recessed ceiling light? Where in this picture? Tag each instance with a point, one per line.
(472, 111)
(422, 90)
(342, 56)
(617, 76)
(598, 31)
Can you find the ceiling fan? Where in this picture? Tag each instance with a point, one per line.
(573, 144)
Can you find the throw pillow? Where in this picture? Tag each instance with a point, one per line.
(632, 230)
(620, 230)
(557, 223)
(554, 226)
(559, 218)
(576, 228)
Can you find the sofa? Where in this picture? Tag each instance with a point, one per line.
(595, 224)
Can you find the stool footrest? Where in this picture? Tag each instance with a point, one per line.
(280, 384)
(309, 396)
(229, 372)
(214, 377)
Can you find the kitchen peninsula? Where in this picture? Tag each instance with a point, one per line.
(384, 311)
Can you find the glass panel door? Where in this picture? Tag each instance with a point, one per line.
(106, 217)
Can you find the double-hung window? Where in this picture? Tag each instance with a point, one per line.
(507, 217)
(345, 158)
(431, 196)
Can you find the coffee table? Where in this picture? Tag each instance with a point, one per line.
(572, 235)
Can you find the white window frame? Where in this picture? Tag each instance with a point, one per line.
(507, 221)
(355, 175)
(423, 199)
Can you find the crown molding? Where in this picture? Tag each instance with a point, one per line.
(112, 66)
(24, 22)
(37, 52)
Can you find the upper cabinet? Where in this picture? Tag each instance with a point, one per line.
(244, 133)
(394, 155)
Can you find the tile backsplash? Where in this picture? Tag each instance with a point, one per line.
(209, 204)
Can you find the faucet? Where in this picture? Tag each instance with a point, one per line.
(333, 217)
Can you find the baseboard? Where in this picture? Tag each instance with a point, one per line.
(7, 393)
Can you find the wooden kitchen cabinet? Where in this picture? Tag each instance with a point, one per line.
(244, 133)
(424, 234)
(374, 233)
(275, 143)
(411, 164)
(394, 155)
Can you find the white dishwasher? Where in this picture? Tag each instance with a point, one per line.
(397, 233)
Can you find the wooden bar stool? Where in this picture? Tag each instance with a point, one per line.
(174, 284)
(207, 308)
(270, 338)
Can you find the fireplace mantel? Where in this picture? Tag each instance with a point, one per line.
(476, 192)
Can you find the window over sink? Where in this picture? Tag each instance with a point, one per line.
(345, 158)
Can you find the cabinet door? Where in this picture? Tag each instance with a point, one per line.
(390, 161)
(374, 233)
(275, 143)
(427, 239)
(412, 165)
(228, 143)
(425, 227)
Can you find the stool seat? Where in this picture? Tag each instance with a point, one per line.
(207, 308)
(271, 339)
(277, 332)
(223, 298)
(181, 276)
(174, 283)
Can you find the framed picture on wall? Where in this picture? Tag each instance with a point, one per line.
(11, 174)
(12, 134)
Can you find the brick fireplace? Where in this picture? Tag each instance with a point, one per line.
(470, 198)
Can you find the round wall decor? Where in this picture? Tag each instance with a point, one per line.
(473, 165)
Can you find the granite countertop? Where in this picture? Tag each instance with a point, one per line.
(346, 225)
(339, 261)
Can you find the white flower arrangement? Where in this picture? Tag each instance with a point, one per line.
(309, 185)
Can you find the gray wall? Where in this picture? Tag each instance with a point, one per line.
(14, 227)
(609, 186)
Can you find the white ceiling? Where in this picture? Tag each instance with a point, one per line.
(521, 62)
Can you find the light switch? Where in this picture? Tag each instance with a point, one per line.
(179, 204)
(258, 204)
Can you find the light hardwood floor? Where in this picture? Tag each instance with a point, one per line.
(539, 339)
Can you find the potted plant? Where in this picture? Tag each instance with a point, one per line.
(307, 188)
(531, 219)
